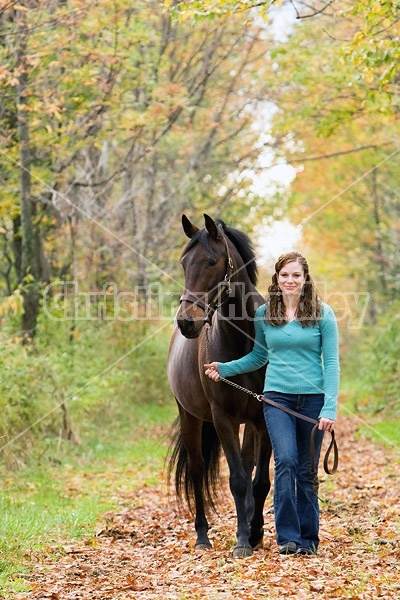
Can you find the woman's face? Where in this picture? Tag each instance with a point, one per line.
(291, 279)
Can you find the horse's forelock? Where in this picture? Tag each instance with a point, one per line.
(203, 237)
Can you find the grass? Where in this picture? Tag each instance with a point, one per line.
(42, 506)
(53, 489)
(370, 378)
(385, 432)
(382, 427)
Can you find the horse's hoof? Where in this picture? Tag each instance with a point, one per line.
(256, 540)
(257, 545)
(203, 546)
(242, 551)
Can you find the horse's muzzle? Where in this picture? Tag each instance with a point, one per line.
(190, 327)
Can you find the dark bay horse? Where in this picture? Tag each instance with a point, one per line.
(220, 278)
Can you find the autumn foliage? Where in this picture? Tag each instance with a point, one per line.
(146, 548)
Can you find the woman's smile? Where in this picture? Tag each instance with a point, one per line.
(291, 278)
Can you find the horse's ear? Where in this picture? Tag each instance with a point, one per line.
(211, 227)
(188, 227)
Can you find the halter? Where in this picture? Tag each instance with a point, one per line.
(223, 287)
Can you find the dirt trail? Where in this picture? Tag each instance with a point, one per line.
(145, 549)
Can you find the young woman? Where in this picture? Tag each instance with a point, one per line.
(297, 335)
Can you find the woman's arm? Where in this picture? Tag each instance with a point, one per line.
(330, 356)
(252, 361)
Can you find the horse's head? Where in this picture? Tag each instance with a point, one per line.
(207, 264)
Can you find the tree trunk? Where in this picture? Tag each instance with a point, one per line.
(16, 246)
(380, 256)
(30, 255)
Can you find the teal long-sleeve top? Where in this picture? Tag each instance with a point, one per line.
(301, 360)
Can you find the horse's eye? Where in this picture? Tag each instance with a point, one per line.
(211, 262)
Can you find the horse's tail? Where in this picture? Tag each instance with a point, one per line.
(178, 462)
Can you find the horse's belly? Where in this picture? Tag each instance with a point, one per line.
(184, 377)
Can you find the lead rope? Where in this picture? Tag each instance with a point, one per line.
(262, 398)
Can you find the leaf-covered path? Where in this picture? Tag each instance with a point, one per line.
(145, 549)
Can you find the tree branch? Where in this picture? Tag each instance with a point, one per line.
(339, 153)
(313, 14)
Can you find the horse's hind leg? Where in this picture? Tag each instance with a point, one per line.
(191, 432)
(261, 487)
(249, 461)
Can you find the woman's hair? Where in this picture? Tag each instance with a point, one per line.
(309, 309)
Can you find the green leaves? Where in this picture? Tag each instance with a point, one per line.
(374, 52)
(200, 9)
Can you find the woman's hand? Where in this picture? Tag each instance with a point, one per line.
(326, 424)
(212, 371)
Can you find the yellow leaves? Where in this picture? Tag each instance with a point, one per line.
(360, 35)
(134, 119)
(12, 304)
(74, 334)
(54, 109)
(368, 75)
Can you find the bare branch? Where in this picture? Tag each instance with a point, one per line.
(339, 153)
(315, 12)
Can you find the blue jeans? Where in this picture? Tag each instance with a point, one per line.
(296, 506)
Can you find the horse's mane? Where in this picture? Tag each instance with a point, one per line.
(240, 240)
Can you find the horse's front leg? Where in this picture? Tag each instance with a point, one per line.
(238, 481)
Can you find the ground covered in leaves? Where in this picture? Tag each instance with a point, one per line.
(146, 551)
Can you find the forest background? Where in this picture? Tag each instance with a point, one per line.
(279, 117)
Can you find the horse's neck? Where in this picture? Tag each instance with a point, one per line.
(240, 309)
